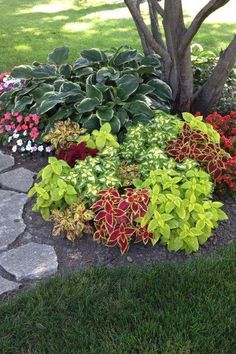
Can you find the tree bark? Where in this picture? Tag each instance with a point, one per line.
(176, 54)
(208, 95)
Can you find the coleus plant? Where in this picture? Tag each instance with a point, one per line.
(180, 213)
(121, 88)
(116, 214)
(75, 152)
(196, 145)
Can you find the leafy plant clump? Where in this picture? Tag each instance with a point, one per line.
(72, 221)
(180, 213)
(53, 191)
(116, 215)
(121, 88)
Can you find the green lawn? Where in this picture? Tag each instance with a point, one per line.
(30, 29)
(166, 309)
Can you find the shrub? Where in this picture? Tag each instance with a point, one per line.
(120, 88)
(53, 191)
(180, 213)
(115, 217)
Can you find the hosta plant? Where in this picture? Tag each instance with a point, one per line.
(180, 213)
(53, 191)
(121, 88)
(116, 215)
(72, 221)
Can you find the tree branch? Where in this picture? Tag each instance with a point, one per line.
(158, 7)
(207, 96)
(206, 11)
(155, 24)
(148, 35)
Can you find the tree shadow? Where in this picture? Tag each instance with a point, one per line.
(29, 32)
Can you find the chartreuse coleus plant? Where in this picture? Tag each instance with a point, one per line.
(73, 220)
(116, 214)
(180, 213)
(94, 174)
(119, 87)
(53, 191)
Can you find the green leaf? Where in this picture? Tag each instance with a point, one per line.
(162, 90)
(21, 103)
(45, 71)
(57, 168)
(70, 198)
(59, 55)
(91, 123)
(100, 142)
(192, 243)
(22, 72)
(65, 70)
(127, 85)
(105, 113)
(94, 55)
(31, 192)
(93, 92)
(70, 190)
(45, 212)
(48, 103)
(115, 125)
(153, 225)
(139, 107)
(181, 212)
(87, 105)
(124, 57)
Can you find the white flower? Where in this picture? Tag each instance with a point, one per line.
(34, 148)
(25, 132)
(9, 139)
(14, 148)
(40, 148)
(48, 149)
(15, 135)
(22, 149)
(19, 142)
(28, 148)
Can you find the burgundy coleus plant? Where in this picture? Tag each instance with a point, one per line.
(197, 146)
(116, 215)
(76, 152)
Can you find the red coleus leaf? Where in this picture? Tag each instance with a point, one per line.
(101, 215)
(76, 152)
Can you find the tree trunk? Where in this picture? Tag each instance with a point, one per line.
(175, 52)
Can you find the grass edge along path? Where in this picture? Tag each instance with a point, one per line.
(167, 308)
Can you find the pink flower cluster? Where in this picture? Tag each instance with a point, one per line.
(21, 133)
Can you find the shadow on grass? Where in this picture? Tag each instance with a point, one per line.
(30, 29)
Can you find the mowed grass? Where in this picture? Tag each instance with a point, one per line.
(30, 29)
(167, 308)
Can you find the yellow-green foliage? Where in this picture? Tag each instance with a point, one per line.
(72, 221)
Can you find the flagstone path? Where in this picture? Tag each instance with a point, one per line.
(29, 260)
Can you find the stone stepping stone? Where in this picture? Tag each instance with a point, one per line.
(19, 179)
(30, 261)
(7, 285)
(11, 222)
(6, 161)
